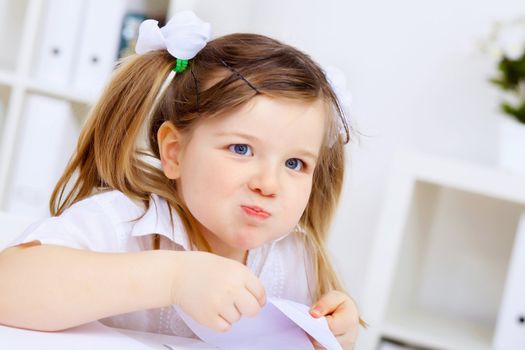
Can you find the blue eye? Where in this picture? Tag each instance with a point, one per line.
(242, 149)
(295, 164)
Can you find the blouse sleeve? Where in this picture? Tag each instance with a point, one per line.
(84, 225)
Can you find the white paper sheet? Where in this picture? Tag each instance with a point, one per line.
(316, 327)
(281, 324)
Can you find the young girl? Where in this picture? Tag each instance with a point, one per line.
(227, 202)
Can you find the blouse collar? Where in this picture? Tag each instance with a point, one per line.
(156, 220)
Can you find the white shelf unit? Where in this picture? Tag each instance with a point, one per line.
(11, 32)
(21, 24)
(441, 254)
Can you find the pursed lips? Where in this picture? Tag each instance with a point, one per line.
(255, 211)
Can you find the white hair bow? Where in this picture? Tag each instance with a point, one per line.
(337, 80)
(183, 36)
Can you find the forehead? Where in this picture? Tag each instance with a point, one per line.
(274, 119)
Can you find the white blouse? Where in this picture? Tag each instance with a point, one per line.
(106, 222)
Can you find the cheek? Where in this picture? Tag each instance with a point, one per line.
(205, 185)
(297, 201)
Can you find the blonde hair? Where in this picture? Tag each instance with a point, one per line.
(107, 156)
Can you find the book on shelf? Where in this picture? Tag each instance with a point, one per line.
(47, 139)
(98, 46)
(129, 33)
(58, 46)
(130, 30)
(11, 16)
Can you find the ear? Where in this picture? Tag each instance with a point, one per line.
(169, 140)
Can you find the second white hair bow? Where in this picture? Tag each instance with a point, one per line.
(183, 36)
(337, 80)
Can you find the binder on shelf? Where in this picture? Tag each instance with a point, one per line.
(510, 328)
(60, 33)
(99, 43)
(136, 13)
(47, 139)
(11, 26)
(129, 33)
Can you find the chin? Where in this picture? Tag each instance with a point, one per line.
(247, 241)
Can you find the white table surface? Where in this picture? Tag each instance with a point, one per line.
(94, 336)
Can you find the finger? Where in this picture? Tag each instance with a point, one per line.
(230, 314)
(218, 324)
(247, 304)
(344, 319)
(328, 303)
(254, 286)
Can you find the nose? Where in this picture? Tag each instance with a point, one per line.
(265, 180)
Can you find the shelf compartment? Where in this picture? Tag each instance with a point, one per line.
(432, 331)
(452, 265)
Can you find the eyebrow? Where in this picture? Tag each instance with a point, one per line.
(302, 152)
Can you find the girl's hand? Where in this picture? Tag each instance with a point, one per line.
(342, 316)
(215, 291)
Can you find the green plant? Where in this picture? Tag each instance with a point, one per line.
(507, 43)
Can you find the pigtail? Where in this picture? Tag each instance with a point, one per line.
(106, 156)
(117, 147)
(326, 187)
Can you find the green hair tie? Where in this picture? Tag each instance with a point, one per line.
(180, 66)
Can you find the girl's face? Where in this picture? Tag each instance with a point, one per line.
(247, 176)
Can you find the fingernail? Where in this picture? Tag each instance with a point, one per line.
(315, 312)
